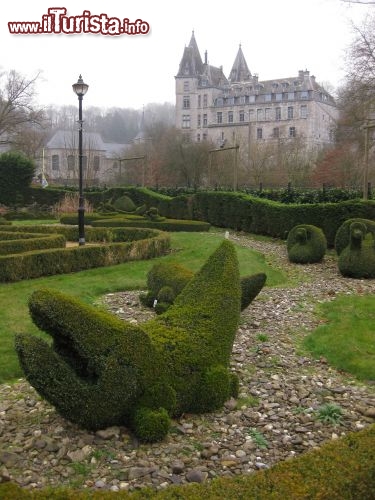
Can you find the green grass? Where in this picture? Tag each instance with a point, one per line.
(189, 249)
(347, 339)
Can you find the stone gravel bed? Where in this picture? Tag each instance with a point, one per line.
(274, 418)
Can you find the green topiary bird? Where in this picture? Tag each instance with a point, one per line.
(357, 259)
(101, 371)
(306, 244)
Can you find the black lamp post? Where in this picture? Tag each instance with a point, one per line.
(80, 88)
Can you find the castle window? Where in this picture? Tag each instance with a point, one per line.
(290, 112)
(267, 114)
(290, 96)
(204, 136)
(242, 115)
(304, 94)
(185, 121)
(71, 162)
(230, 116)
(303, 111)
(198, 137)
(96, 163)
(279, 96)
(219, 117)
(219, 102)
(186, 86)
(199, 120)
(268, 97)
(199, 100)
(186, 102)
(55, 162)
(205, 120)
(251, 98)
(242, 99)
(276, 133)
(278, 113)
(259, 114)
(259, 133)
(292, 131)
(230, 101)
(205, 100)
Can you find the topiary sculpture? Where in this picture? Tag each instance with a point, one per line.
(101, 371)
(166, 280)
(306, 244)
(343, 235)
(357, 259)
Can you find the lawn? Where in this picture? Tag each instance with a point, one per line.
(347, 337)
(189, 249)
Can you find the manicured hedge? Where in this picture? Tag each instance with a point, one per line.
(245, 213)
(149, 244)
(342, 238)
(343, 469)
(28, 242)
(164, 225)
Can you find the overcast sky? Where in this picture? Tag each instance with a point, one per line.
(278, 39)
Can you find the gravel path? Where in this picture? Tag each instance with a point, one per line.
(273, 419)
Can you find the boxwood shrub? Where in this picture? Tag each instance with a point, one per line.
(147, 244)
(101, 371)
(357, 259)
(25, 242)
(164, 225)
(306, 244)
(342, 238)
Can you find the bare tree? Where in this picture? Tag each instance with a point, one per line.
(17, 106)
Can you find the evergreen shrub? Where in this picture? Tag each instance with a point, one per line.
(124, 203)
(102, 371)
(164, 225)
(342, 238)
(306, 244)
(357, 259)
(29, 242)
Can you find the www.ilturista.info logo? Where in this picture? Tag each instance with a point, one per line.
(57, 22)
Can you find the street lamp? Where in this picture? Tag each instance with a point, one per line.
(80, 88)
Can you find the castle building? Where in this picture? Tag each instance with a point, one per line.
(244, 109)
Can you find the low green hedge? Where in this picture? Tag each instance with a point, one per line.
(343, 469)
(148, 244)
(26, 242)
(165, 225)
(72, 219)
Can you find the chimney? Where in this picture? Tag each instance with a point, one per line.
(205, 57)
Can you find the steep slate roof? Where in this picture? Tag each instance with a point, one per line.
(240, 71)
(191, 63)
(67, 139)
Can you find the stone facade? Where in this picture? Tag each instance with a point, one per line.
(100, 159)
(241, 109)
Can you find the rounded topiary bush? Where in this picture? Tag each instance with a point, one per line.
(151, 425)
(250, 287)
(357, 259)
(306, 244)
(124, 203)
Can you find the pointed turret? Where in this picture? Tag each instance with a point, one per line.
(191, 63)
(240, 71)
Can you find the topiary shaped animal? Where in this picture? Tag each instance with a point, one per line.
(306, 244)
(342, 238)
(101, 371)
(166, 280)
(124, 204)
(357, 260)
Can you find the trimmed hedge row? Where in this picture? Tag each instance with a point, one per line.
(26, 242)
(343, 469)
(149, 244)
(164, 225)
(245, 213)
(69, 232)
